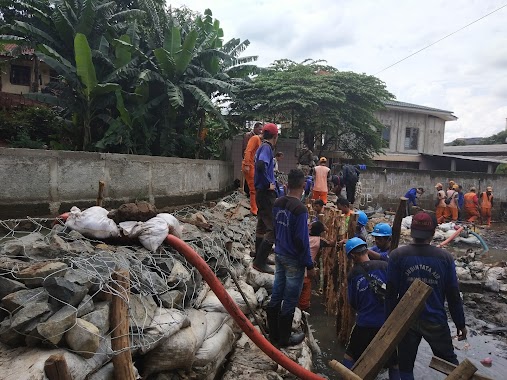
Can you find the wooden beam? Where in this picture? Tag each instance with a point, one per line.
(446, 368)
(344, 372)
(100, 196)
(122, 360)
(56, 368)
(400, 214)
(464, 371)
(393, 330)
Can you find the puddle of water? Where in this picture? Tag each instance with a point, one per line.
(480, 347)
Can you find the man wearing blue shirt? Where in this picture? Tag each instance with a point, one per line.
(435, 267)
(264, 181)
(412, 196)
(382, 233)
(292, 257)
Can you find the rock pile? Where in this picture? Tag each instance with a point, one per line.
(56, 291)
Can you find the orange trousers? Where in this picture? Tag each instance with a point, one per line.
(486, 215)
(320, 195)
(471, 214)
(440, 213)
(249, 178)
(451, 213)
(306, 294)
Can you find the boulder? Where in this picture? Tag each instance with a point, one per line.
(20, 298)
(79, 277)
(179, 274)
(141, 311)
(64, 291)
(83, 338)
(36, 274)
(86, 306)
(171, 299)
(8, 286)
(99, 317)
(32, 311)
(24, 246)
(58, 324)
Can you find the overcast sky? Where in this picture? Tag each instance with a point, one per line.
(465, 73)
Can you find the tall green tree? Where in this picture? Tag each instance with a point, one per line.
(331, 109)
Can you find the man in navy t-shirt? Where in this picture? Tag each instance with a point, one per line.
(436, 268)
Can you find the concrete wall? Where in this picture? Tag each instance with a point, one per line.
(38, 182)
(385, 188)
(431, 131)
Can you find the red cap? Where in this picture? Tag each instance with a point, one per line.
(271, 128)
(423, 225)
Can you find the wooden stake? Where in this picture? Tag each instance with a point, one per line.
(56, 368)
(400, 214)
(447, 368)
(390, 334)
(344, 372)
(122, 361)
(463, 372)
(100, 196)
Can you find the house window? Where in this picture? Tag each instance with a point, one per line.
(411, 138)
(20, 75)
(386, 136)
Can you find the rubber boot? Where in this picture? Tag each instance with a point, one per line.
(286, 338)
(259, 262)
(258, 241)
(273, 313)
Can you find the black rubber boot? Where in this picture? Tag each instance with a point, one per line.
(286, 338)
(259, 262)
(258, 241)
(273, 313)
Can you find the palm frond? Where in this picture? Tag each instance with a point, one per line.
(174, 94)
(33, 32)
(128, 15)
(203, 100)
(216, 84)
(63, 26)
(87, 18)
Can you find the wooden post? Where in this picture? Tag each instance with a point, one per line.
(390, 334)
(463, 372)
(345, 373)
(400, 214)
(56, 368)
(122, 360)
(100, 196)
(447, 368)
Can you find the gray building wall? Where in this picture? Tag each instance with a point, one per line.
(39, 182)
(431, 131)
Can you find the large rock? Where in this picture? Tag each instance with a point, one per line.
(56, 326)
(99, 317)
(65, 291)
(8, 286)
(27, 314)
(171, 299)
(86, 306)
(24, 246)
(20, 298)
(179, 274)
(83, 338)
(463, 274)
(141, 311)
(79, 277)
(36, 274)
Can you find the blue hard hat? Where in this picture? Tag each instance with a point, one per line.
(353, 244)
(382, 229)
(362, 218)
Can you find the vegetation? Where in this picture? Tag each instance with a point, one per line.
(135, 77)
(499, 138)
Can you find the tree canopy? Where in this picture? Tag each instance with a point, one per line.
(332, 109)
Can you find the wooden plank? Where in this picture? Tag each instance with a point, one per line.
(100, 196)
(392, 331)
(446, 368)
(56, 368)
(122, 360)
(344, 372)
(464, 371)
(400, 214)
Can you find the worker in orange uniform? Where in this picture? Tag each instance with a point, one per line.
(248, 168)
(471, 206)
(441, 207)
(322, 174)
(451, 211)
(486, 200)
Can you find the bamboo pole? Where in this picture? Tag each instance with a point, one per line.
(344, 372)
(400, 214)
(100, 196)
(122, 360)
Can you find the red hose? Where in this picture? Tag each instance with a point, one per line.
(450, 238)
(235, 312)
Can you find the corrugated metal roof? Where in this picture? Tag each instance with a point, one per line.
(396, 103)
(469, 158)
(495, 148)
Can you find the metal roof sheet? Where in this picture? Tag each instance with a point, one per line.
(494, 148)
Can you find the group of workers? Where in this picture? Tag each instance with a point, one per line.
(379, 277)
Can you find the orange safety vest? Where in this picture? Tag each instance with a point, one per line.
(486, 200)
(469, 200)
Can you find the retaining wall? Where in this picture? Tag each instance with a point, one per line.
(40, 182)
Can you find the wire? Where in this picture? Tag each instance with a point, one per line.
(441, 39)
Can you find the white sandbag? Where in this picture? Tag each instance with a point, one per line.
(174, 352)
(165, 323)
(174, 225)
(446, 226)
(92, 223)
(214, 322)
(406, 222)
(151, 233)
(215, 349)
(259, 279)
(127, 227)
(212, 303)
(472, 240)
(199, 324)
